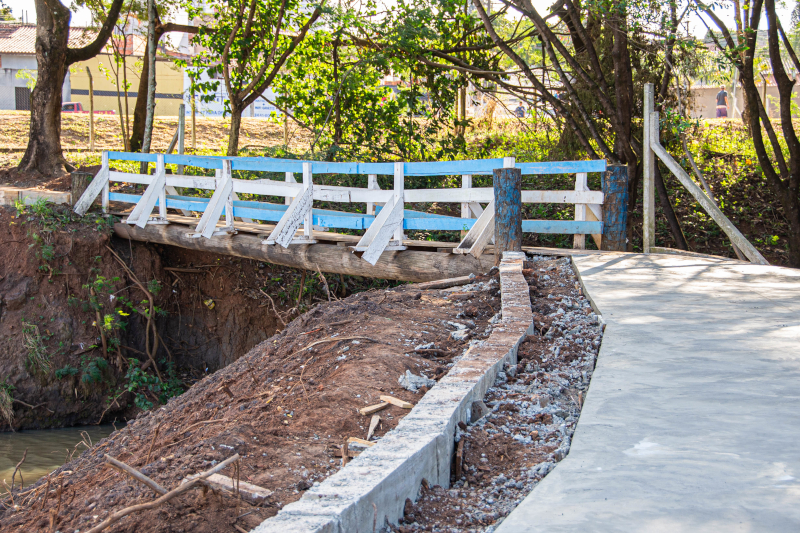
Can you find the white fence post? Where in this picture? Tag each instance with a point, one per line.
(372, 184)
(106, 187)
(579, 239)
(466, 183)
(399, 197)
(289, 179)
(308, 221)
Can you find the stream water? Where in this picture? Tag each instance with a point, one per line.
(47, 450)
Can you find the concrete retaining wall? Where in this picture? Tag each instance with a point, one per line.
(373, 487)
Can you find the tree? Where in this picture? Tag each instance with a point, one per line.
(247, 42)
(53, 57)
(781, 166)
(593, 61)
(332, 85)
(140, 109)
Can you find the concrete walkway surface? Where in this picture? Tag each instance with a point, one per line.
(692, 418)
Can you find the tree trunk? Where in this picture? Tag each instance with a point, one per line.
(151, 80)
(140, 110)
(44, 154)
(236, 122)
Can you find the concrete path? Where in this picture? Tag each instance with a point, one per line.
(692, 419)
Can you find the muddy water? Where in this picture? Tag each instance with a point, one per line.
(47, 450)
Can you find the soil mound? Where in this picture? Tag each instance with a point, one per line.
(286, 408)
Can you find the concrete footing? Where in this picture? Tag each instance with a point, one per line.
(373, 487)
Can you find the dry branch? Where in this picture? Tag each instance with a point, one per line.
(187, 484)
(122, 467)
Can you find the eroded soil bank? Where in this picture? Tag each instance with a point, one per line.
(73, 319)
(285, 408)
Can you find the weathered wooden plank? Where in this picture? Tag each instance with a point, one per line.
(142, 211)
(479, 235)
(208, 222)
(95, 187)
(386, 230)
(291, 220)
(406, 265)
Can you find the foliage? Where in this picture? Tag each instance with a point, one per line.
(145, 385)
(66, 371)
(29, 76)
(332, 85)
(245, 43)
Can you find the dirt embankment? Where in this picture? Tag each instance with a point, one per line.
(61, 285)
(284, 408)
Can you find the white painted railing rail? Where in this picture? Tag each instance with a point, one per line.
(385, 217)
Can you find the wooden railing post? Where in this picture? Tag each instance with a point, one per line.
(507, 212)
(372, 184)
(289, 179)
(581, 184)
(466, 212)
(181, 132)
(615, 208)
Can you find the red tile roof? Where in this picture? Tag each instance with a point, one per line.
(16, 38)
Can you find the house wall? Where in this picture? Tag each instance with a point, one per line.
(169, 84)
(10, 65)
(705, 101)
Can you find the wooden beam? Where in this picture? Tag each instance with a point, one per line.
(406, 265)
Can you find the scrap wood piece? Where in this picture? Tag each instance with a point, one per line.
(372, 409)
(360, 442)
(135, 474)
(397, 401)
(188, 483)
(443, 283)
(248, 491)
(459, 462)
(373, 425)
(337, 452)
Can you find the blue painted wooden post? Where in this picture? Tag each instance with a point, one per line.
(615, 208)
(507, 211)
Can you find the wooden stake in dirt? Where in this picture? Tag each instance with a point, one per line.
(366, 411)
(91, 110)
(397, 401)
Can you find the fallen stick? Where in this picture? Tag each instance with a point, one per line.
(32, 406)
(125, 469)
(331, 339)
(189, 483)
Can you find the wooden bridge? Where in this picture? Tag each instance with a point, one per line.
(295, 233)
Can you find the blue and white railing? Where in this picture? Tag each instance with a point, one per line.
(385, 217)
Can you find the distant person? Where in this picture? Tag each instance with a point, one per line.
(520, 111)
(722, 103)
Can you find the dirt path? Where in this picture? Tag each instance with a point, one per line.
(284, 407)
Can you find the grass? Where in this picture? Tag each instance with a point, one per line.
(6, 401)
(37, 360)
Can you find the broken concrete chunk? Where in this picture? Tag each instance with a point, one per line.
(460, 334)
(478, 411)
(413, 383)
